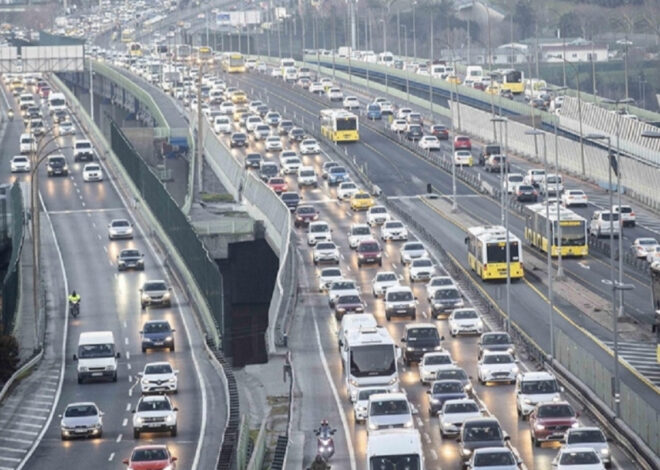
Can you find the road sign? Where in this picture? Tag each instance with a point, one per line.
(41, 59)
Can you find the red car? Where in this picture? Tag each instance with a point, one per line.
(278, 184)
(44, 92)
(368, 251)
(440, 131)
(462, 142)
(305, 214)
(549, 421)
(153, 457)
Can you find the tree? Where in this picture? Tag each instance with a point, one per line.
(570, 26)
(525, 17)
(8, 357)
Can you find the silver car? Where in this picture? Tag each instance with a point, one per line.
(411, 251)
(155, 293)
(120, 228)
(83, 419)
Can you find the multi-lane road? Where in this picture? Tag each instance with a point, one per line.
(80, 213)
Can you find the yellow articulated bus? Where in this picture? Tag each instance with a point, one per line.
(339, 125)
(135, 49)
(233, 62)
(486, 247)
(205, 53)
(572, 226)
(510, 79)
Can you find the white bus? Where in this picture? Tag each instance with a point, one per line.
(395, 448)
(370, 360)
(473, 74)
(286, 64)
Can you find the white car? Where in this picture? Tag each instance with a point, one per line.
(589, 437)
(273, 143)
(513, 180)
(158, 377)
(429, 142)
(534, 177)
(383, 281)
(254, 106)
(403, 113)
(628, 217)
(67, 128)
(309, 147)
(335, 94)
(463, 158)
(20, 164)
(357, 233)
(351, 102)
(288, 154)
(342, 287)
(399, 125)
(389, 410)
(326, 252)
(316, 87)
(385, 106)
(574, 197)
(327, 276)
(533, 388)
(222, 125)
(377, 215)
(495, 366)
(92, 172)
(463, 321)
(252, 122)
(641, 247)
(346, 190)
(431, 363)
(393, 230)
(437, 282)
(261, 132)
(361, 403)
(454, 413)
(307, 176)
(154, 414)
(227, 107)
(654, 255)
(120, 228)
(318, 232)
(420, 269)
(577, 458)
(290, 165)
(411, 251)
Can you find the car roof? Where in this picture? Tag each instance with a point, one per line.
(409, 326)
(537, 375)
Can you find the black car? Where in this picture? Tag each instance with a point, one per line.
(56, 166)
(238, 139)
(414, 132)
(157, 334)
(443, 390)
(268, 170)
(291, 199)
(455, 373)
(419, 339)
(285, 126)
(297, 134)
(130, 259)
(253, 160)
(526, 193)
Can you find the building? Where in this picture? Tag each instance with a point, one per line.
(574, 49)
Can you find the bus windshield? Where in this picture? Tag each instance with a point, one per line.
(571, 235)
(236, 61)
(370, 361)
(346, 124)
(496, 252)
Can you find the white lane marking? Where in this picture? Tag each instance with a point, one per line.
(9, 459)
(128, 355)
(434, 454)
(128, 407)
(125, 325)
(78, 190)
(111, 458)
(105, 248)
(119, 437)
(126, 341)
(29, 425)
(83, 203)
(130, 392)
(14, 439)
(128, 366)
(27, 433)
(98, 236)
(35, 408)
(94, 224)
(86, 211)
(13, 449)
(124, 422)
(27, 416)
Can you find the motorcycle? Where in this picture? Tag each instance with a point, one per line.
(325, 445)
(74, 308)
(10, 114)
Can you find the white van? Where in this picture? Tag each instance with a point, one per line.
(473, 74)
(599, 225)
(56, 102)
(392, 448)
(27, 143)
(96, 356)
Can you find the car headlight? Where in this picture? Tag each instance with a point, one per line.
(144, 382)
(411, 305)
(166, 295)
(575, 425)
(138, 420)
(466, 452)
(170, 419)
(539, 427)
(437, 348)
(145, 296)
(527, 401)
(434, 400)
(411, 348)
(372, 426)
(146, 339)
(480, 324)
(515, 369)
(510, 350)
(556, 398)
(169, 467)
(110, 367)
(437, 305)
(468, 387)
(354, 382)
(393, 380)
(169, 338)
(82, 369)
(360, 255)
(341, 309)
(359, 309)
(408, 424)
(605, 451)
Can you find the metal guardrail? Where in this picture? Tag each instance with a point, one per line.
(20, 373)
(259, 452)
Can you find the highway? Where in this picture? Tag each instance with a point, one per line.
(313, 338)
(80, 213)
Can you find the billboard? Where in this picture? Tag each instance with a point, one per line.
(238, 18)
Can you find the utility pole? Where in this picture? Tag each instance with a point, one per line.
(398, 30)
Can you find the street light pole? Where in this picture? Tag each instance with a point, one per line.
(548, 237)
(414, 31)
(405, 39)
(504, 188)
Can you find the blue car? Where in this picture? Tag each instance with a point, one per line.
(157, 334)
(374, 112)
(443, 390)
(337, 174)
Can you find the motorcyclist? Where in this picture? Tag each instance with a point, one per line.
(10, 113)
(319, 464)
(74, 297)
(324, 430)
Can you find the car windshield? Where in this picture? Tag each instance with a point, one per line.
(498, 359)
(372, 361)
(343, 285)
(531, 387)
(158, 369)
(348, 186)
(79, 411)
(155, 285)
(466, 315)
(647, 241)
(306, 210)
(326, 246)
(444, 294)
(437, 359)
(423, 334)
(365, 394)
(492, 459)
(363, 247)
(361, 230)
(496, 338)
(482, 432)
(147, 455)
(92, 168)
(348, 299)
(319, 228)
(524, 187)
(413, 247)
(393, 225)
(441, 281)
(422, 263)
(154, 405)
(91, 351)
(338, 169)
(157, 327)
(515, 178)
(129, 253)
(587, 435)
(290, 196)
(467, 407)
(555, 411)
(399, 296)
(362, 196)
(579, 458)
(331, 272)
(385, 277)
(447, 387)
(378, 210)
(389, 407)
(120, 223)
(625, 210)
(457, 374)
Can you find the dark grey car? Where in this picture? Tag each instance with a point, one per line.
(130, 259)
(496, 341)
(477, 433)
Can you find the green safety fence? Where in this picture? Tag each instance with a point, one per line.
(10, 285)
(177, 227)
